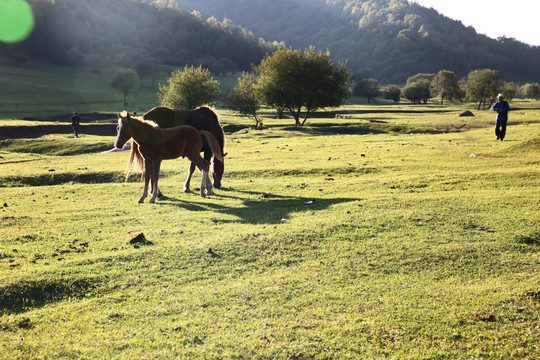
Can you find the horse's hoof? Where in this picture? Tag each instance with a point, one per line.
(187, 191)
(152, 201)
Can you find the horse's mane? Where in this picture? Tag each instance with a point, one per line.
(125, 114)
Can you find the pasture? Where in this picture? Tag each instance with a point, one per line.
(384, 235)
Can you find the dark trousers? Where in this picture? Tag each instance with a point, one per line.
(76, 129)
(500, 129)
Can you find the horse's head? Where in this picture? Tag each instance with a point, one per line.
(124, 132)
(218, 167)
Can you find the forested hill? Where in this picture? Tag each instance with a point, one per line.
(386, 39)
(102, 32)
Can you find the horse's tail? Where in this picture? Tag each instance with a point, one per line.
(213, 144)
(134, 157)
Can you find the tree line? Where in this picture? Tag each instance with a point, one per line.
(301, 82)
(480, 86)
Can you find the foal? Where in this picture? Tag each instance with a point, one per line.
(156, 144)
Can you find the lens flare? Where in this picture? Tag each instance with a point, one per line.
(16, 20)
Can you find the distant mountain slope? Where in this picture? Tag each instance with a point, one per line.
(78, 32)
(387, 39)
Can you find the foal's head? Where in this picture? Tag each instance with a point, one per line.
(124, 131)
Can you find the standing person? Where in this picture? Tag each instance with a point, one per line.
(75, 121)
(501, 107)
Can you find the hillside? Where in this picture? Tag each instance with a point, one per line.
(129, 32)
(387, 39)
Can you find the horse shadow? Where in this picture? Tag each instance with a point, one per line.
(254, 208)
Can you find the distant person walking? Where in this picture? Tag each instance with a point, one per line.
(501, 107)
(75, 122)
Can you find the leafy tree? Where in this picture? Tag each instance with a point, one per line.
(420, 76)
(368, 88)
(532, 90)
(510, 90)
(482, 86)
(296, 80)
(189, 88)
(144, 68)
(392, 92)
(245, 99)
(418, 91)
(445, 85)
(125, 80)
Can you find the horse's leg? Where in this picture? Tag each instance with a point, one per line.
(159, 193)
(155, 178)
(147, 174)
(188, 180)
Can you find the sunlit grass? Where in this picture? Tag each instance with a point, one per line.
(402, 238)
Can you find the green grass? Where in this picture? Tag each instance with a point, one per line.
(42, 91)
(421, 243)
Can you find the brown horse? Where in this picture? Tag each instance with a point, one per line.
(202, 118)
(155, 144)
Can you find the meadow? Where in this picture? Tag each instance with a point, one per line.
(408, 235)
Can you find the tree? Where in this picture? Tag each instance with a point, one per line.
(509, 90)
(482, 86)
(445, 85)
(125, 80)
(144, 68)
(368, 88)
(420, 76)
(245, 98)
(189, 88)
(418, 91)
(532, 90)
(392, 92)
(296, 80)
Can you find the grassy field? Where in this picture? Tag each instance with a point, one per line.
(388, 235)
(44, 92)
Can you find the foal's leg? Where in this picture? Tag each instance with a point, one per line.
(209, 184)
(208, 157)
(203, 183)
(155, 178)
(203, 165)
(147, 174)
(188, 180)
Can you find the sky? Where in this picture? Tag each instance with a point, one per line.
(516, 19)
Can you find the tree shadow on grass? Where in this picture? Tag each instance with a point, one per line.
(21, 296)
(256, 208)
